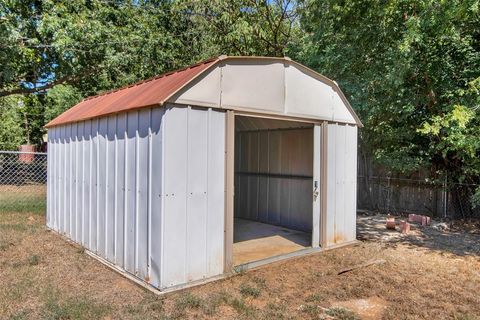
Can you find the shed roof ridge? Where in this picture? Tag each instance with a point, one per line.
(160, 88)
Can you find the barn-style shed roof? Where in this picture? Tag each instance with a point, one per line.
(240, 86)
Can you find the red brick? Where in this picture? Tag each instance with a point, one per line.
(405, 227)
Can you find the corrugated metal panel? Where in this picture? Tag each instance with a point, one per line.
(111, 181)
(50, 184)
(112, 184)
(351, 183)
(87, 183)
(79, 182)
(340, 179)
(142, 194)
(156, 195)
(130, 191)
(193, 224)
(104, 187)
(94, 186)
(143, 94)
(120, 188)
(73, 176)
(197, 147)
(67, 176)
(216, 193)
(341, 184)
(274, 171)
(175, 211)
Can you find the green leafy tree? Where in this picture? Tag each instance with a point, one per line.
(245, 27)
(412, 71)
(59, 99)
(76, 48)
(93, 45)
(11, 131)
(31, 109)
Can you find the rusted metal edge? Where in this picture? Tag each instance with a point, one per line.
(210, 62)
(162, 75)
(80, 119)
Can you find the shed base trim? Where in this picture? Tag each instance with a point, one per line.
(236, 269)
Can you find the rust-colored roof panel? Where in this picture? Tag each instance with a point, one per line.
(147, 93)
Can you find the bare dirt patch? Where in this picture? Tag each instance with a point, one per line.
(368, 309)
(428, 274)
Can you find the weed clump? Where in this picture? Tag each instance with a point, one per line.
(34, 260)
(248, 290)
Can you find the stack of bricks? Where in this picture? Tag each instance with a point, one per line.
(417, 218)
(391, 223)
(404, 225)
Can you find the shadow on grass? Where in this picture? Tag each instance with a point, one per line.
(461, 243)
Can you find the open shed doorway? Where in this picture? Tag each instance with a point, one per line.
(273, 188)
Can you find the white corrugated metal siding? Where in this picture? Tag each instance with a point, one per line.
(108, 190)
(194, 182)
(341, 184)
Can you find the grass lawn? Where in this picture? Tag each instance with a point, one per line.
(426, 276)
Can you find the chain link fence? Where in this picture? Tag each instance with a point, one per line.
(23, 181)
(23, 187)
(459, 201)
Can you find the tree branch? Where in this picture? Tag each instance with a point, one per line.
(24, 91)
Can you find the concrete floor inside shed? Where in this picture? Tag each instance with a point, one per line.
(255, 241)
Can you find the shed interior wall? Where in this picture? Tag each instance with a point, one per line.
(273, 187)
(273, 172)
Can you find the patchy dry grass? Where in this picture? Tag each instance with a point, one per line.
(44, 277)
(27, 198)
(249, 290)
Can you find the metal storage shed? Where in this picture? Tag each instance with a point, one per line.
(235, 161)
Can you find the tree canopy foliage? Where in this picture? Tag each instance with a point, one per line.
(53, 52)
(411, 68)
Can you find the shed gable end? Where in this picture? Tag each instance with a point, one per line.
(277, 86)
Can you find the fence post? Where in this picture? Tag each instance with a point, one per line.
(445, 197)
(389, 194)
